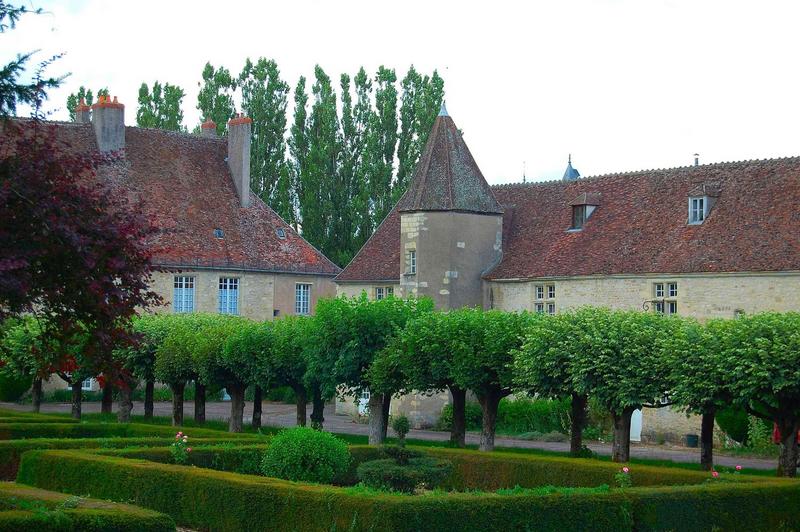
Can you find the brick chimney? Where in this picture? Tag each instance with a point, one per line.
(208, 129)
(239, 156)
(83, 113)
(108, 118)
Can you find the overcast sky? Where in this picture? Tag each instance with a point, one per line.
(621, 84)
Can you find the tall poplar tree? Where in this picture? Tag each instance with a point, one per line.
(215, 99)
(382, 145)
(319, 202)
(83, 93)
(160, 107)
(298, 146)
(264, 99)
(362, 201)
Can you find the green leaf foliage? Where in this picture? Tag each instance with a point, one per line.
(160, 107)
(307, 455)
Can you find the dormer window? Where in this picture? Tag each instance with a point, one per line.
(582, 208)
(218, 233)
(698, 209)
(281, 232)
(580, 213)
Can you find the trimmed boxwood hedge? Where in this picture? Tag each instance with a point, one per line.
(17, 431)
(26, 508)
(36, 419)
(11, 450)
(215, 500)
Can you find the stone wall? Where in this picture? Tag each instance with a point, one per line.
(356, 289)
(702, 296)
(422, 410)
(668, 425)
(453, 250)
(260, 294)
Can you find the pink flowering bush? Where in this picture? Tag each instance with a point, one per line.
(623, 478)
(180, 449)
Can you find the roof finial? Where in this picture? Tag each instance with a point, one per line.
(569, 159)
(443, 110)
(524, 179)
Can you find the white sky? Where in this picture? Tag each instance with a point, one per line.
(621, 84)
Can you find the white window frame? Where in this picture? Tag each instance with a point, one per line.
(551, 291)
(412, 262)
(540, 308)
(658, 290)
(86, 384)
(379, 293)
(302, 299)
(539, 292)
(183, 287)
(698, 209)
(228, 296)
(672, 289)
(665, 297)
(551, 308)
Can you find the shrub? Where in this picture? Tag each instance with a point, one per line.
(472, 413)
(401, 426)
(306, 454)
(733, 422)
(515, 416)
(389, 474)
(212, 500)
(179, 449)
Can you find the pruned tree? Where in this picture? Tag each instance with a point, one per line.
(760, 355)
(544, 365)
(700, 383)
(623, 363)
(485, 365)
(352, 331)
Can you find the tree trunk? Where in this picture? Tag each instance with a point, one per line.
(300, 400)
(36, 394)
(489, 404)
(148, 399)
(125, 404)
(387, 402)
(76, 399)
(707, 439)
(318, 409)
(199, 402)
(257, 400)
(577, 422)
(787, 463)
(107, 402)
(621, 448)
(237, 407)
(177, 403)
(459, 429)
(376, 419)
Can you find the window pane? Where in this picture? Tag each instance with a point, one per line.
(672, 289)
(379, 293)
(183, 294)
(228, 295)
(658, 289)
(672, 307)
(551, 291)
(551, 308)
(578, 216)
(540, 307)
(390, 291)
(539, 291)
(302, 299)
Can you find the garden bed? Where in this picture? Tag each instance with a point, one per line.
(199, 497)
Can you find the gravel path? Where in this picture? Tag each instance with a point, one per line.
(279, 414)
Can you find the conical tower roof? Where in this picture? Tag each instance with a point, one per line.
(570, 174)
(447, 177)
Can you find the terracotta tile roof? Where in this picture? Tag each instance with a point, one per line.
(186, 186)
(379, 258)
(641, 223)
(447, 177)
(639, 226)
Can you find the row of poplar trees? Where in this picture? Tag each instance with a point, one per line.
(335, 171)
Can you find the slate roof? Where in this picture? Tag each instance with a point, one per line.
(639, 227)
(446, 177)
(186, 187)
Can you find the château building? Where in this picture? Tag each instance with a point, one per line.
(706, 241)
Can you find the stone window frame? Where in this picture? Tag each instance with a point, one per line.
(412, 261)
(382, 292)
(665, 297)
(302, 301)
(228, 295)
(183, 296)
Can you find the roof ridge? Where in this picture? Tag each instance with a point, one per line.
(643, 171)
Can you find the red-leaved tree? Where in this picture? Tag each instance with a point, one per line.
(73, 249)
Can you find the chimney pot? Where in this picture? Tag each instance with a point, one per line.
(108, 119)
(208, 129)
(83, 113)
(239, 156)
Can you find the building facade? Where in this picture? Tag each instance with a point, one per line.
(218, 247)
(704, 241)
